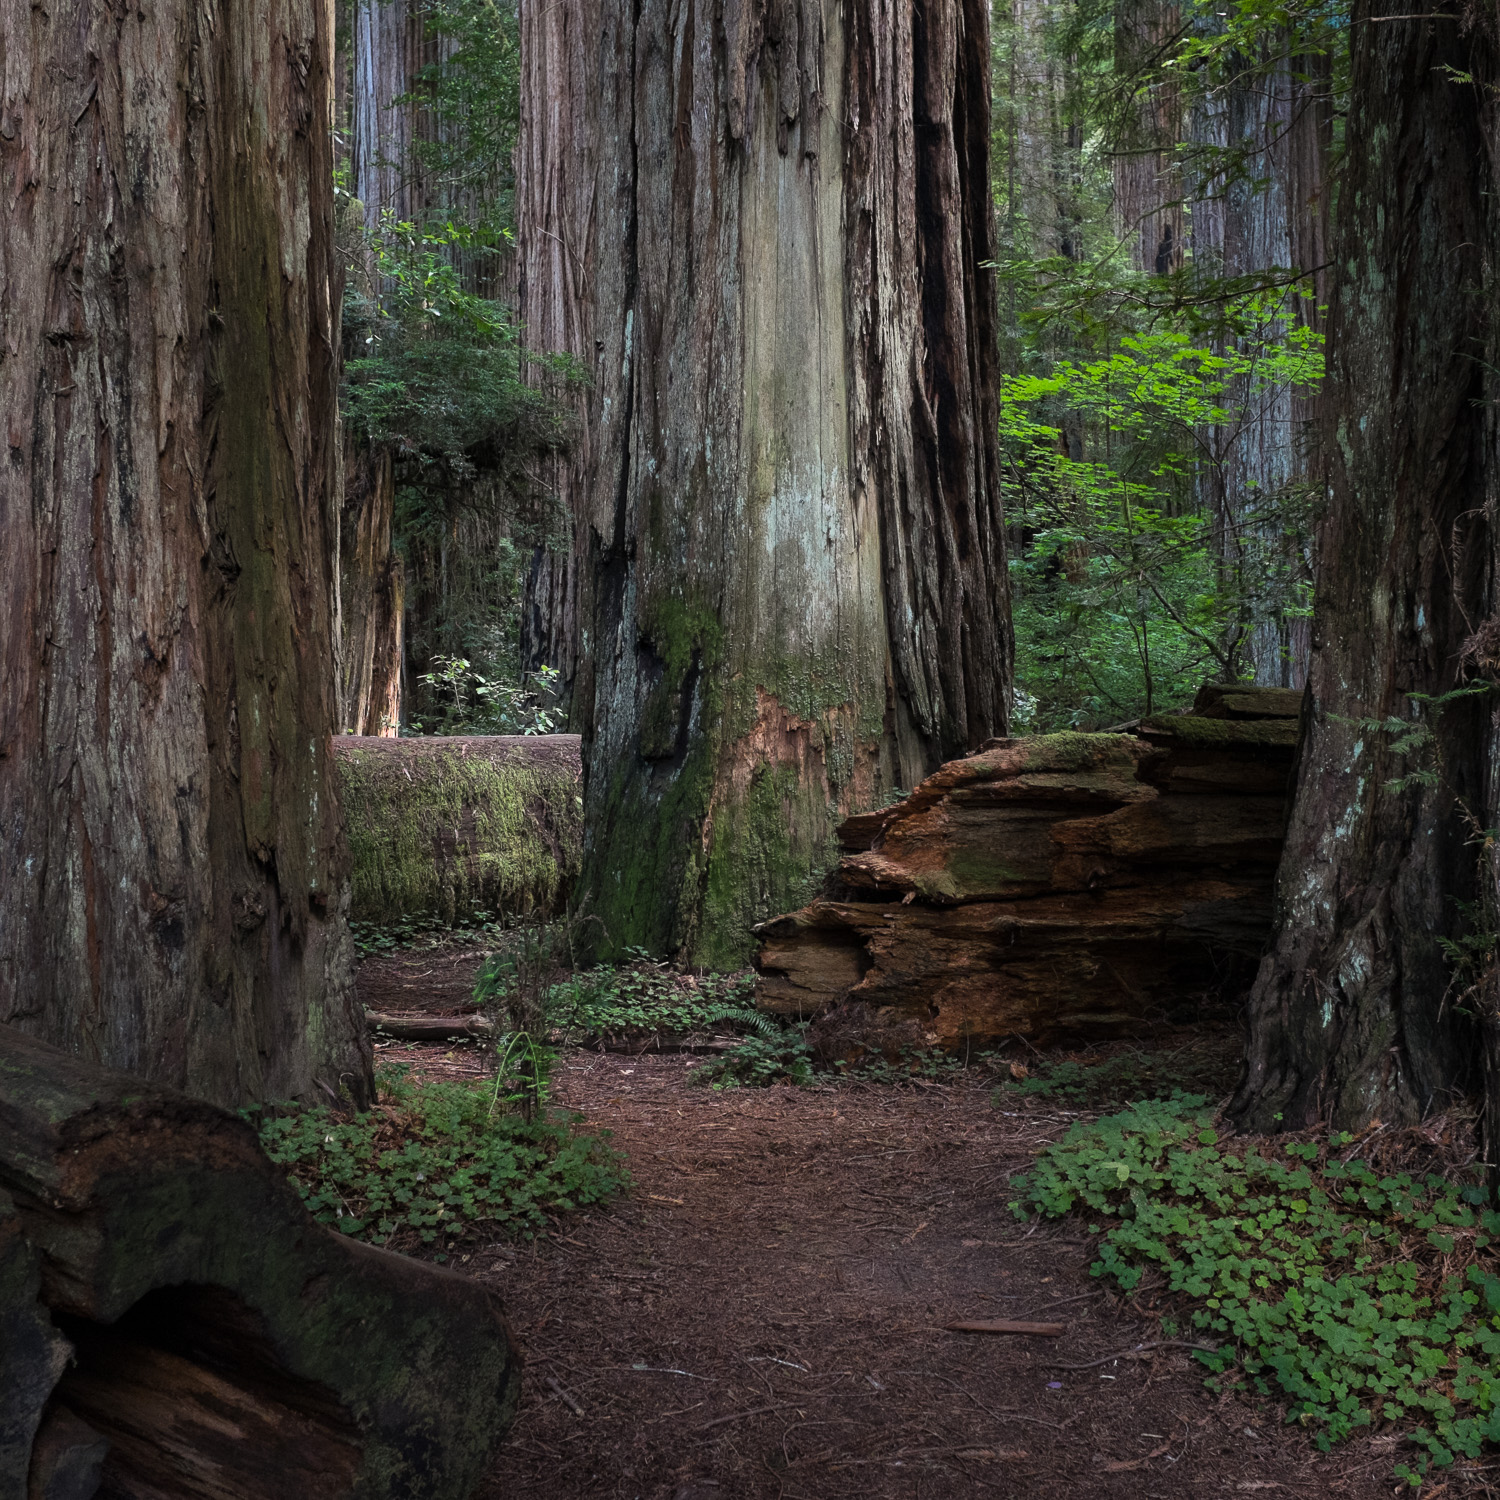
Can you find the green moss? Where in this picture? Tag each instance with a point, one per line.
(679, 630)
(975, 869)
(652, 877)
(445, 833)
(1224, 733)
(642, 869)
(682, 634)
(1077, 752)
(770, 853)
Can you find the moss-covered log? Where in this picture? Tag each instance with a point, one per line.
(450, 826)
(173, 1316)
(1069, 884)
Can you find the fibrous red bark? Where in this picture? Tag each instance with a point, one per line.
(173, 893)
(372, 596)
(763, 229)
(1350, 1018)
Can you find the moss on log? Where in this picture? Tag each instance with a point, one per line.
(164, 1292)
(449, 826)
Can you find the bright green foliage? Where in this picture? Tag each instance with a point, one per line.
(1156, 468)
(437, 1162)
(649, 999)
(468, 702)
(1355, 1296)
(471, 96)
(1125, 598)
(438, 372)
(760, 1061)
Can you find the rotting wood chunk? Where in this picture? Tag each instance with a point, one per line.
(1061, 886)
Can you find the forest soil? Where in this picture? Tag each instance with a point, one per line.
(763, 1315)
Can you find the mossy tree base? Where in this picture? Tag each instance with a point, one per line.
(764, 230)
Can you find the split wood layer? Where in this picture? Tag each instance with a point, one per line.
(1067, 885)
(173, 1322)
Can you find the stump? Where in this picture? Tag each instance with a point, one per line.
(174, 1323)
(1066, 885)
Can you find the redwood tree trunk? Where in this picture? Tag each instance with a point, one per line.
(1148, 185)
(372, 595)
(762, 226)
(173, 894)
(1351, 1017)
(1272, 215)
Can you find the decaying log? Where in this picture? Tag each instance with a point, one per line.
(418, 1028)
(451, 825)
(1063, 884)
(174, 1323)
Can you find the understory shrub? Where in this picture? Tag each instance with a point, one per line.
(648, 998)
(1356, 1296)
(1128, 1075)
(438, 1162)
(760, 1061)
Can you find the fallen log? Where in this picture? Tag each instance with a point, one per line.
(1062, 885)
(175, 1324)
(450, 826)
(416, 1028)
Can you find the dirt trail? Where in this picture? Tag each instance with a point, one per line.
(764, 1317)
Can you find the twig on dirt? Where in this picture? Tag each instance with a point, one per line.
(556, 1386)
(1136, 1353)
(989, 1411)
(754, 1411)
(651, 1422)
(666, 1370)
(1061, 1301)
(1007, 1325)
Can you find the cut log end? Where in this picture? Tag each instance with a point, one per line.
(195, 1335)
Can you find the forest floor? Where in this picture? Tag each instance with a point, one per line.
(764, 1315)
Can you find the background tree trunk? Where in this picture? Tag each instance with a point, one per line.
(173, 898)
(1271, 214)
(1148, 184)
(762, 228)
(372, 596)
(1348, 1017)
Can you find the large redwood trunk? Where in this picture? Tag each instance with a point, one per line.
(762, 227)
(173, 892)
(1352, 1016)
(1148, 185)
